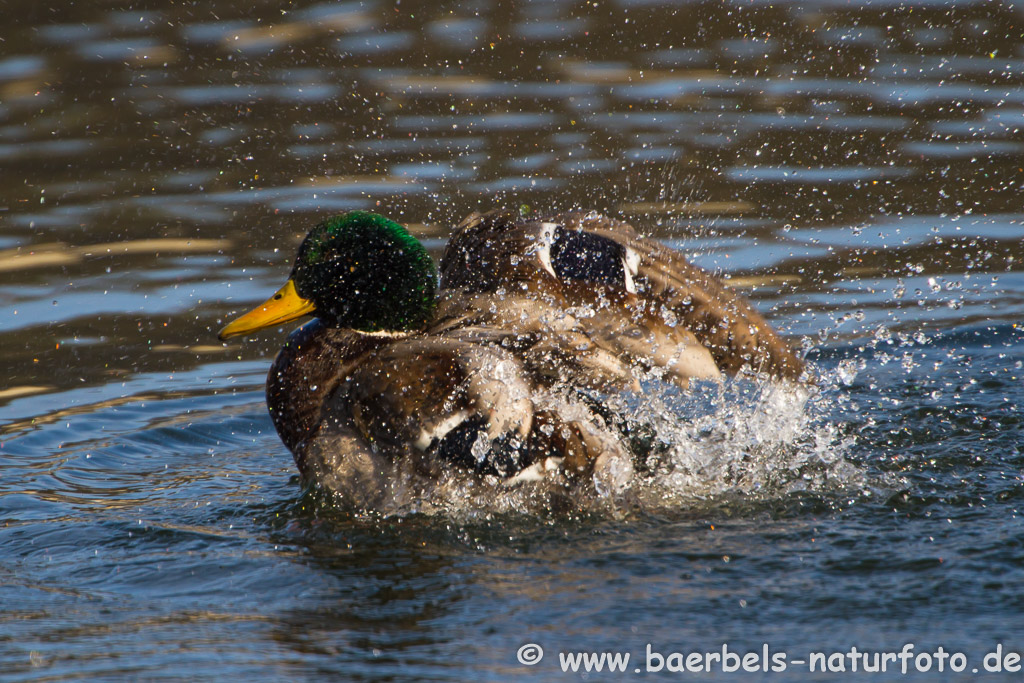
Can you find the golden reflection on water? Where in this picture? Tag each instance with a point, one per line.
(855, 168)
(57, 254)
(180, 153)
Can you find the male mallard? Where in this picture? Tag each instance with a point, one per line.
(503, 371)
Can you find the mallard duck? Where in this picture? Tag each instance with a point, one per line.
(500, 370)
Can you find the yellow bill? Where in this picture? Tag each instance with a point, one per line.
(286, 305)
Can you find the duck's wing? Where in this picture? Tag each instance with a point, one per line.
(634, 297)
(433, 398)
(538, 328)
(489, 252)
(722, 320)
(436, 400)
(565, 298)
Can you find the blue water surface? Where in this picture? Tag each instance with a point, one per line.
(854, 169)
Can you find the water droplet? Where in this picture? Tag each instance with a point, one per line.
(847, 371)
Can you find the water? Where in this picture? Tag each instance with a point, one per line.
(853, 168)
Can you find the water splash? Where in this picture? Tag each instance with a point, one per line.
(748, 438)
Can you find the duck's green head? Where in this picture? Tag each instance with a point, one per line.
(359, 271)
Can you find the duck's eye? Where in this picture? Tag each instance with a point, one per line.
(277, 296)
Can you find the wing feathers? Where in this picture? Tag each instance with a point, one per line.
(530, 311)
(497, 253)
